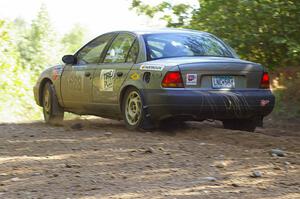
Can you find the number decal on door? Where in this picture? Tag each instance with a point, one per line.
(75, 81)
(107, 80)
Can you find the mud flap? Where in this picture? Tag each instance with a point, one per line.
(147, 123)
(259, 121)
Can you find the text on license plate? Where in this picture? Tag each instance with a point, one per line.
(223, 82)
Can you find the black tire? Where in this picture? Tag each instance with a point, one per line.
(241, 124)
(53, 112)
(141, 121)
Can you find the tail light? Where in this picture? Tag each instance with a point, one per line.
(172, 80)
(265, 81)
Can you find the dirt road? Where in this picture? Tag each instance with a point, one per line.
(99, 158)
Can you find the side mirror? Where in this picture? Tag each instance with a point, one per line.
(69, 59)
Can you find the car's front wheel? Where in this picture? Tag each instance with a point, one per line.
(133, 112)
(53, 113)
(241, 124)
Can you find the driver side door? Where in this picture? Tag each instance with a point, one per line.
(77, 79)
(110, 75)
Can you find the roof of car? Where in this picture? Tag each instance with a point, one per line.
(162, 30)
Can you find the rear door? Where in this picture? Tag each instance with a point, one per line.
(77, 81)
(110, 75)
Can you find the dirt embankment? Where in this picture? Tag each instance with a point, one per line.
(101, 159)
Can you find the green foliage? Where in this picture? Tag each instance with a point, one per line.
(26, 50)
(16, 81)
(174, 15)
(74, 39)
(286, 89)
(38, 44)
(264, 31)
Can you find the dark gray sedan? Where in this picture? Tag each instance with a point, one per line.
(148, 77)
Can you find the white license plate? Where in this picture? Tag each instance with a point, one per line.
(223, 82)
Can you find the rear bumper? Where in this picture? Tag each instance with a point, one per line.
(203, 104)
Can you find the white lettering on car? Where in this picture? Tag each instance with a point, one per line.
(152, 67)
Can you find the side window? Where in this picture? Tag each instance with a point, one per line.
(119, 49)
(133, 53)
(90, 54)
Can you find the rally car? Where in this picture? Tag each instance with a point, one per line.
(145, 77)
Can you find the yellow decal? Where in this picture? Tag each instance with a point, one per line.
(135, 76)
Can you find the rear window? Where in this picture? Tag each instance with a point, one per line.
(165, 45)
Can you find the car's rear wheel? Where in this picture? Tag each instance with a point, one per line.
(133, 112)
(241, 124)
(53, 112)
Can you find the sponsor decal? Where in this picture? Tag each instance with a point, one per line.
(134, 76)
(191, 79)
(57, 70)
(152, 67)
(264, 102)
(107, 80)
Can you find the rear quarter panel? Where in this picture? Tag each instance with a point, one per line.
(137, 74)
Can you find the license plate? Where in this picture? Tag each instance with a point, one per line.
(223, 82)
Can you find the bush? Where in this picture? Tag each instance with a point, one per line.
(286, 88)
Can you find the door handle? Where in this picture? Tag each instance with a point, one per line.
(87, 74)
(119, 74)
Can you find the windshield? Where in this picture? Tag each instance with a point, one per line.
(165, 45)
